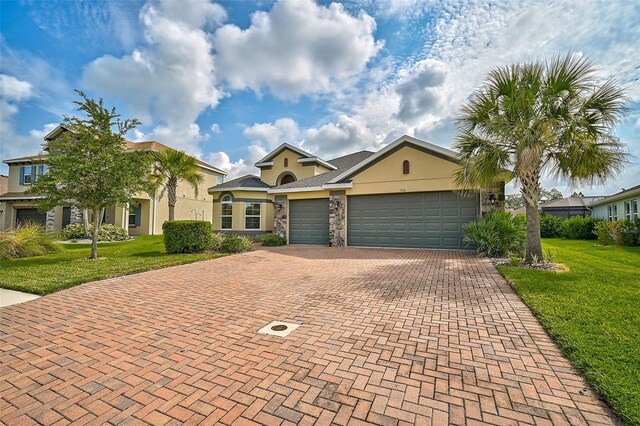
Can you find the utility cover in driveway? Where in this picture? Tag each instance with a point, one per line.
(416, 220)
(309, 221)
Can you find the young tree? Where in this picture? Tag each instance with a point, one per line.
(535, 118)
(172, 166)
(89, 166)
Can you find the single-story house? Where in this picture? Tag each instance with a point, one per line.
(404, 195)
(622, 205)
(569, 207)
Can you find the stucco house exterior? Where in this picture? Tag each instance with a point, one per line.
(622, 205)
(145, 218)
(403, 195)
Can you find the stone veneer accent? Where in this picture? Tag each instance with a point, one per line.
(281, 207)
(51, 220)
(485, 202)
(76, 215)
(337, 218)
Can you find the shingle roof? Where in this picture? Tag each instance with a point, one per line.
(616, 196)
(247, 181)
(342, 163)
(571, 202)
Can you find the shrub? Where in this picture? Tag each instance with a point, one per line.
(216, 241)
(107, 232)
(604, 232)
(498, 234)
(272, 240)
(187, 236)
(626, 232)
(234, 243)
(73, 231)
(26, 240)
(551, 226)
(580, 228)
(110, 232)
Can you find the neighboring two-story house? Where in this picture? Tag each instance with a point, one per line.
(401, 196)
(145, 218)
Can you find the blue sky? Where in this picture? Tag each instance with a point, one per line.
(229, 81)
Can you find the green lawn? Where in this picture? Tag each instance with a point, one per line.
(69, 267)
(593, 313)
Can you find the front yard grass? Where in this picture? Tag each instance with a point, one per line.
(69, 267)
(593, 313)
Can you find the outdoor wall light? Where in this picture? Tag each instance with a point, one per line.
(492, 198)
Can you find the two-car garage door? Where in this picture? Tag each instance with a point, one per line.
(417, 220)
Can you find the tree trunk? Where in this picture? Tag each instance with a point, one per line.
(534, 243)
(172, 196)
(97, 221)
(85, 221)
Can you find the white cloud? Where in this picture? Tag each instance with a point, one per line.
(346, 135)
(240, 167)
(421, 91)
(298, 47)
(12, 143)
(13, 89)
(273, 134)
(215, 128)
(171, 79)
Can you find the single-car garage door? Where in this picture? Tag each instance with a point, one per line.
(417, 220)
(30, 215)
(309, 221)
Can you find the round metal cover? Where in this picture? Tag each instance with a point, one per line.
(279, 327)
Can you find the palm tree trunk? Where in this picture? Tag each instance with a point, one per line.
(534, 243)
(172, 196)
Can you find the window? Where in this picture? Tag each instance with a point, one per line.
(252, 216)
(42, 169)
(614, 212)
(219, 180)
(634, 208)
(627, 209)
(27, 175)
(286, 162)
(227, 211)
(405, 167)
(135, 214)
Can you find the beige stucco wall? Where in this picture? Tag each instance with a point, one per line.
(14, 179)
(238, 213)
(426, 173)
(271, 175)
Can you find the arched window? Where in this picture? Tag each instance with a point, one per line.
(227, 212)
(405, 167)
(286, 162)
(285, 177)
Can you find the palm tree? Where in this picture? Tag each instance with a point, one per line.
(172, 166)
(547, 118)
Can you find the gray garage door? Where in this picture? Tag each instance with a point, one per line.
(30, 215)
(417, 220)
(309, 221)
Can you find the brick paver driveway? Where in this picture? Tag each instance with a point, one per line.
(387, 337)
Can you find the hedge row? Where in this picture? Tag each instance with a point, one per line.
(624, 232)
(193, 236)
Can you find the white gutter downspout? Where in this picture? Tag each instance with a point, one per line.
(153, 216)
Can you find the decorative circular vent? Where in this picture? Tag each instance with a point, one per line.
(279, 327)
